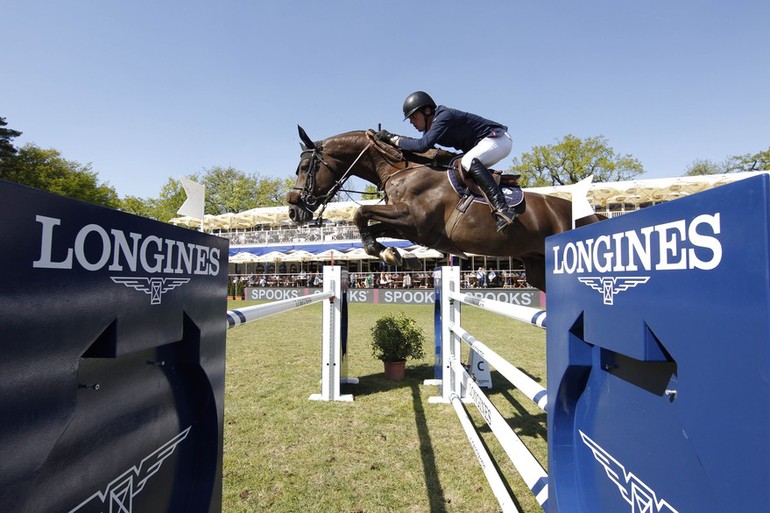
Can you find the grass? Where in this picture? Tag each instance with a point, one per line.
(389, 450)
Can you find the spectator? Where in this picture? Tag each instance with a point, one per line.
(385, 281)
(491, 276)
(407, 283)
(481, 277)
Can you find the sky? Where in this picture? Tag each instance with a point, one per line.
(147, 90)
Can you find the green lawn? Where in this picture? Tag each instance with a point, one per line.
(389, 449)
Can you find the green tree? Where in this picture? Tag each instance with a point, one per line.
(227, 190)
(6, 134)
(231, 190)
(137, 206)
(370, 192)
(705, 167)
(759, 161)
(172, 195)
(749, 162)
(572, 159)
(47, 170)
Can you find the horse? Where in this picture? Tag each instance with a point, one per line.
(421, 205)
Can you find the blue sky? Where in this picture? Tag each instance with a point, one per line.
(147, 90)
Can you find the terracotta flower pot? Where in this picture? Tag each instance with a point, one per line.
(395, 370)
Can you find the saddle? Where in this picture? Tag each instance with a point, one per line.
(470, 192)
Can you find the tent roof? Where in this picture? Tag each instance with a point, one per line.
(638, 192)
(601, 195)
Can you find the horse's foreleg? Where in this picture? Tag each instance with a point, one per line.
(391, 220)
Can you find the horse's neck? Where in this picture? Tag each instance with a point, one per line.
(367, 160)
(363, 161)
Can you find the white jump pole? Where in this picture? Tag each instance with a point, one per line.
(254, 313)
(458, 387)
(333, 361)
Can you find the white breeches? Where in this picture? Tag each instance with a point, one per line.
(489, 151)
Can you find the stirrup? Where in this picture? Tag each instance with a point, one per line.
(504, 218)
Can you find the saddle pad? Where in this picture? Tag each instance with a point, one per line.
(513, 195)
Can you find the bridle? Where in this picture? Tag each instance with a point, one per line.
(307, 195)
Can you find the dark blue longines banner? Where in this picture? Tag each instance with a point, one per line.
(112, 351)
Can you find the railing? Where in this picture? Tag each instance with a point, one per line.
(368, 280)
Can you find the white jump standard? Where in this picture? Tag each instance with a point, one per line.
(458, 386)
(333, 357)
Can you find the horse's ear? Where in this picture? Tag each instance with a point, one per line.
(305, 139)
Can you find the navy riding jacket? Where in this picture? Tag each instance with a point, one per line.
(454, 129)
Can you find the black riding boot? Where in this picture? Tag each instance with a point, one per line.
(483, 178)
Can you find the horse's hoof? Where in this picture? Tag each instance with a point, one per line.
(391, 256)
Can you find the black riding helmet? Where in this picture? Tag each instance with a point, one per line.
(416, 101)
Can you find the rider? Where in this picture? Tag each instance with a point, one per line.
(483, 142)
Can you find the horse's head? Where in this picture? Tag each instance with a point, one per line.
(316, 182)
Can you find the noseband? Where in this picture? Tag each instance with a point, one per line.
(307, 195)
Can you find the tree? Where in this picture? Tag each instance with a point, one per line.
(227, 190)
(137, 206)
(572, 159)
(370, 192)
(231, 190)
(6, 134)
(705, 167)
(47, 170)
(757, 162)
(172, 195)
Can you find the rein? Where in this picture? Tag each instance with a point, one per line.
(392, 156)
(307, 195)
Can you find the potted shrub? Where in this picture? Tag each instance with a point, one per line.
(394, 339)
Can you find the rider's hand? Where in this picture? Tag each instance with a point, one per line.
(388, 137)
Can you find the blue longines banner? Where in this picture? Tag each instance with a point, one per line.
(659, 356)
(112, 360)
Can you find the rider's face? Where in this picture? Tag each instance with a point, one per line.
(419, 120)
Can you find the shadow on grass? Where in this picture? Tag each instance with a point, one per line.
(525, 423)
(415, 375)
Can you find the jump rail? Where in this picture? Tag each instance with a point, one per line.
(334, 353)
(458, 387)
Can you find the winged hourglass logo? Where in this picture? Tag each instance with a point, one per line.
(609, 286)
(634, 491)
(119, 494)
(155, 287)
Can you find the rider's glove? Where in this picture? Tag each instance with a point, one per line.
(388, 137)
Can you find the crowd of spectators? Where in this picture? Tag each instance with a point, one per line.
(481, 278)
(282, 235)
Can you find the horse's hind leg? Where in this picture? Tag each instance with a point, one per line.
(535, 269)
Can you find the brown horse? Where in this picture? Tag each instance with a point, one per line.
(421, 205)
